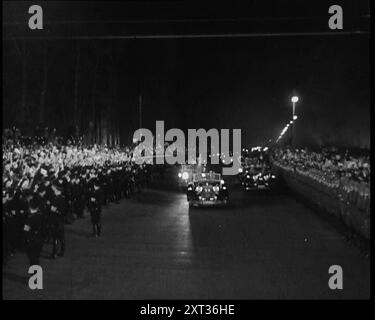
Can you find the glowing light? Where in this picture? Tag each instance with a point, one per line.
(185, 175)
(294, 99)
(295, 117)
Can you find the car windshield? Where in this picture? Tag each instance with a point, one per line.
(210, 176)
(207, 182)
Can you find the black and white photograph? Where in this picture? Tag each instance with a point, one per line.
(175, 151)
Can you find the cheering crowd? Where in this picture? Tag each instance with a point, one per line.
(48, 183)
(343, 175)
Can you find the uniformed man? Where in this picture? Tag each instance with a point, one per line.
(94, 206)
(9, 225)
(78, 196)
(33, 229)
(67, 191)
(20, 207)
(116, 184)
(57, 212)
(103, 182)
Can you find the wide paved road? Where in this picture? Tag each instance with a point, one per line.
(154, 247)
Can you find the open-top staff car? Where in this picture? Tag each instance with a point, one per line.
(256, 178)
(207, 189)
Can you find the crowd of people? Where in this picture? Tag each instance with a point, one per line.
(344, 175)
(50, 183)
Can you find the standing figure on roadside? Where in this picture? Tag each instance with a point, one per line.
(78, 199)
(94, 205)
(58, 215)
(33, 229)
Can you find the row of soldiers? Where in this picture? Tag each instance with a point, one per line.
(35, 210)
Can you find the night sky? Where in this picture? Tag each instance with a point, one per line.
(242, 83)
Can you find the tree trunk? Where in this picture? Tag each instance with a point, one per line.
(76, 81)
(93, 102)
(44, 85)
(24, 114)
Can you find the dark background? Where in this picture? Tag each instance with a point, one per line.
(245, 81)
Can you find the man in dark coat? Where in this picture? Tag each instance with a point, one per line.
(94, 205)
(78, 196)
(33, 229)
(58, 214)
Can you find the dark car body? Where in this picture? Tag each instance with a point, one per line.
(258, 179)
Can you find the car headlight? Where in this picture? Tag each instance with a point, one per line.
(185, 175)
(224, 188)
(198, 189)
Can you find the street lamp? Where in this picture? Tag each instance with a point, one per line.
(294, 99)
(294, 117)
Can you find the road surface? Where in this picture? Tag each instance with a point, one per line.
(154, 247)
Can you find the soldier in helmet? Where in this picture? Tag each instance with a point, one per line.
(103, 182)
(116, 184)
(65, 183)
(57, 212)
(9, 224)
(78, 201)
(20, 207)
(94, 205)
(33, 229)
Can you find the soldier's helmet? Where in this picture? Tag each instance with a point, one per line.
(56, 186)
(33, 204)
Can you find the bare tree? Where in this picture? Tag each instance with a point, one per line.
(76, 82)
(23, 54)
(44, 83)
(93, 124)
